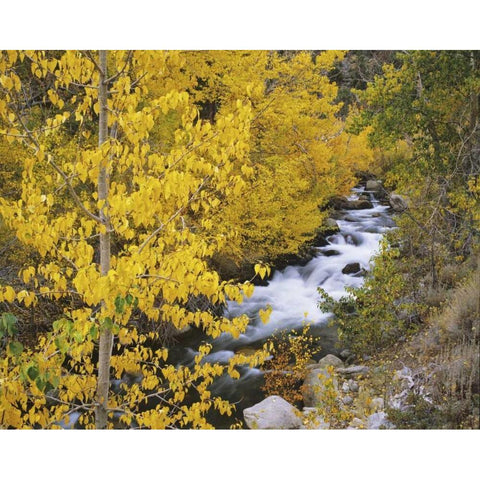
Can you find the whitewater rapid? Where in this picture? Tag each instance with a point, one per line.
(293, 292)
(293, 295)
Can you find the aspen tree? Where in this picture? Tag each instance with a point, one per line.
(92, 179)
(106, 335)
(129, 186)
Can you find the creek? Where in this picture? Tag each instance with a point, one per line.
(293, 295)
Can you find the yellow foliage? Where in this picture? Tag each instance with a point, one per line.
(183, 184)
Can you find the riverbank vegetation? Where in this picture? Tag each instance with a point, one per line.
(420, 299)
(139, 190)
(129, 175)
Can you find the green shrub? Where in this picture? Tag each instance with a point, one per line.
(373, 316)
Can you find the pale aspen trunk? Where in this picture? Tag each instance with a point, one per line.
(106, 336)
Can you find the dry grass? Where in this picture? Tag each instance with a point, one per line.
(452, 344)
(461, 317)
(444, 358)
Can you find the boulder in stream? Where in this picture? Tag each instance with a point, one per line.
(339, 203)
(360, 204)
(397, 202)
(331, 225)
(272, 413)
(330, 253)
(343, 203)
(373, 185)
(351, 268)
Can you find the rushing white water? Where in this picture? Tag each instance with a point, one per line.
(293, 295)
(293, 292)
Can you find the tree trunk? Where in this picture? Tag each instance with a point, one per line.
(106, 336)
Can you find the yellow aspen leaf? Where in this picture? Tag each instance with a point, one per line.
(9, 294)
(264, 314)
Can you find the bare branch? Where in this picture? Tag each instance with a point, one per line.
(83, 85)
(179, 159)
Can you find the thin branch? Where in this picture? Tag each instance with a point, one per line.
(175, 215)
(84, 85)
(127, 61)
(191, 150)
(61, 292)
(137, 81)
(73, 192)
(92, 59)
(14, 135)
(158, 277)
(28, 132)
(68, 260)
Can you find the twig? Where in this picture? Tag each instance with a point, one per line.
(73, 192)
(127, 61)
(175, 215)
(92, 59)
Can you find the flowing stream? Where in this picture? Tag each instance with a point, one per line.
(294, 298)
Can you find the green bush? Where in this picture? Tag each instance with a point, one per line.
(373, 316)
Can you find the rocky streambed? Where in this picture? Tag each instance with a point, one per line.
(334, 396)
(335, 392)
(357, 226)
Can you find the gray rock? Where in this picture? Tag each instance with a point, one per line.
(345, 353)
(379, 420)
(331, 224)
(361, 273)
(314, 386)
(347, 400)
(330, 360)
(397, 202)
(339, 203)
(272, 413)
(343, 203)
(354, 371)
(404, 377)
(356, 424)
(373, 185)
(331, 253)
(360, 204)
(351, 268)
(345, 387)
(353, 385)
(378, 404)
